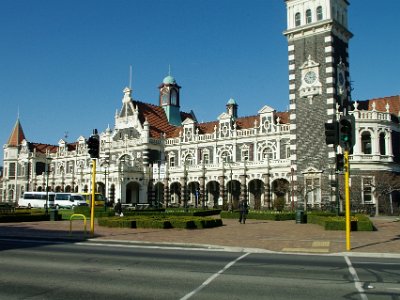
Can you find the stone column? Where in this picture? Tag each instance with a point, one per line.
(183, 192)
(166, 192)
(243, 187)
(267, 191)
(222, 188)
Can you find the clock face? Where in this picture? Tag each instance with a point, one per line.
(310, 77)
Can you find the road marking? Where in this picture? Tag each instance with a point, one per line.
(307, 250)
(212, 277)
(321, 244)
(357, 282)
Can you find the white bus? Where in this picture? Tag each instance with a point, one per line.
(69, 200)
(36, 200)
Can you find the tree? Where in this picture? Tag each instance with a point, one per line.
(386, 185)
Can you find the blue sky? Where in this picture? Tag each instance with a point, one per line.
(64, 64)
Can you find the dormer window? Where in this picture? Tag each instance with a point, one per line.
(297, 19)
(308, 16)
(319, 13)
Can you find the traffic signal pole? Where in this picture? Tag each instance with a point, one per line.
(93, 144)
(347, 197)
(93, 195)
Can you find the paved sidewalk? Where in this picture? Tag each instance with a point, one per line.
(281, 236)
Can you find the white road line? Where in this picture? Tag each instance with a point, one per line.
(357, 282)
(212, 277)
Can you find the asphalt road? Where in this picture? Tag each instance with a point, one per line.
(38, 270)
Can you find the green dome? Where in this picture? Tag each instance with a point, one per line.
(231, 102)
(169, 80)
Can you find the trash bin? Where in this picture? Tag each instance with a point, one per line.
(53, 215)
(299, 216)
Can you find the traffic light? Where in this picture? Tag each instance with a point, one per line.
(331, 133)
(93, 145)
(346, 132)
(339, 162)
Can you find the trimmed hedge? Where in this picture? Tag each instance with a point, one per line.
(261, 215)
(359, 222)
(98, 211)
(163, 222)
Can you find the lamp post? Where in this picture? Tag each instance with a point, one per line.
(185, 174)
(106, 165)
(47, 170)
(230, 208)
(292, 183)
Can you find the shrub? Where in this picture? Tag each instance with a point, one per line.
(358, 222)
(261, 215)
(159, 222)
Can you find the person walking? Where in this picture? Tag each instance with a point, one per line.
(244, 210)
(118, 208)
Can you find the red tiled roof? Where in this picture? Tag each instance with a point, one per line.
(284, 117)
(242, 123)
(41, 148)
(17, 135)
(380, 104)
(156, 117)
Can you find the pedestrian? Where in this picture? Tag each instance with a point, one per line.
(244, 210)
(118, 208)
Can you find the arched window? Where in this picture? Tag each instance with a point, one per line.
(382, 145)
(319, 13)
(308, 16)
(297, 19)
(268, 153)
(366, 143)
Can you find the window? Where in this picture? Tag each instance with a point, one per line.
(245, 155)
(382, 145)
(366, 143)
(188, 160)
(226, 157)
(287, 149)
(308, 16)
(206, 158)
(319, 13)
(297, 19)
(367, 190)
(172, 161)
(268, 153)
(174, 97)
(313, 190)
(11, 170)
(164, 99)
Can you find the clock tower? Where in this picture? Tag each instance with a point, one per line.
(318, 37)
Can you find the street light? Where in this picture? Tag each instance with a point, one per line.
(185, 174)
(292, 173)
(106, 163)
(48, 159)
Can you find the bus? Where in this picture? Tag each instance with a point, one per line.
(69, 200)
(36, 199)
(99, 199)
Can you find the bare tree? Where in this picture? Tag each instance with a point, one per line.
(385, 185)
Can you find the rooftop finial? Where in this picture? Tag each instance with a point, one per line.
(169, 70)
